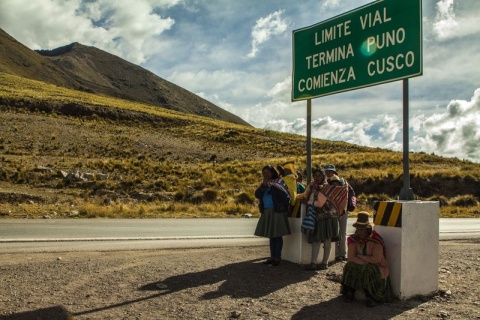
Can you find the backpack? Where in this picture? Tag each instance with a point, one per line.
(352, 199)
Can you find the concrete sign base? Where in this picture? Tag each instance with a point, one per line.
(296, 248)
(410, 230)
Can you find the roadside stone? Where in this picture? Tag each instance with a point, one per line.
(443, 314)
(235, 314)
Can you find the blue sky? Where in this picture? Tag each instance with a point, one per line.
(238, 55)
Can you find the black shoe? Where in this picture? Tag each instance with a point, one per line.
(276, 262)
(349, 294)
(311, 267)
(348, 298)
(370, 303)
(268, 261)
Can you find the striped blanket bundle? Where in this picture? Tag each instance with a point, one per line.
(338, 196)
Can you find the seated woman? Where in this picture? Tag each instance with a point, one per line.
(366, 267)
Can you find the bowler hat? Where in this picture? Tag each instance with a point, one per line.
(362, 221)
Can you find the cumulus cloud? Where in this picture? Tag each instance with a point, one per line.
(451, 133)
(113, 26)
(265, 28)
(445, 23)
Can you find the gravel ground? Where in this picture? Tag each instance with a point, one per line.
(214, 283)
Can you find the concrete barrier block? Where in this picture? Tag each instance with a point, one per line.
(410, 230)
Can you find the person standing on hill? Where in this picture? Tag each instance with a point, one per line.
(341, 244)
(274, 203)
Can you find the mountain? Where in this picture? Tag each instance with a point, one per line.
(92, 70)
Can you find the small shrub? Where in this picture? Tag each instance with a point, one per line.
(210, 195)
(244, 198)
(443, 201)
(465, 201)
(378, 197)
(179, 196)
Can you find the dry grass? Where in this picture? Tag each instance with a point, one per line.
(162, 163)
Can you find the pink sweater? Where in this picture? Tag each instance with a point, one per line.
(374, 254)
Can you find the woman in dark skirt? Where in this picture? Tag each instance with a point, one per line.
(274, 203)
(326, 221)
(367, 267)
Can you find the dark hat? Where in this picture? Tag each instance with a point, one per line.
(289, 168)
(330, 167)
(362, 221)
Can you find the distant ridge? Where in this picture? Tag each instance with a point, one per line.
(92, 70)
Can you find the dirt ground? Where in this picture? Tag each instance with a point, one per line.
(214, 283)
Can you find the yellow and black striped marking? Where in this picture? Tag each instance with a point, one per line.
(387, 213)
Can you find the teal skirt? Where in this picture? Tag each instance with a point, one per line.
(368, 277)
(272, 224)
(324, 229)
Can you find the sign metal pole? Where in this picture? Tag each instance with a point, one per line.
(309, 141)
(406, 193)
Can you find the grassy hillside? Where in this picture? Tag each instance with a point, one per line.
(66, 153)
(92, 70)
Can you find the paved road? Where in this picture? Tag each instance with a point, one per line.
(21, 235)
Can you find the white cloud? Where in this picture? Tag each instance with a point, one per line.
(449, 25)
(390, 128)
(265, 28)
(113, 26)
(281, 90)
(452, 133)
(445, 23)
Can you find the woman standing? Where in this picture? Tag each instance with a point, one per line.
(326, 221)
(367, 267)
(274, 203)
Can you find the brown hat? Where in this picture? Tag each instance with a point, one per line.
(362, 221)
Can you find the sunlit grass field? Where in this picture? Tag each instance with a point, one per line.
(167, 164)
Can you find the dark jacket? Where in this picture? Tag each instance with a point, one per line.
(281, 199)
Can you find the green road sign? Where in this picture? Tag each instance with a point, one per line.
(377, 43)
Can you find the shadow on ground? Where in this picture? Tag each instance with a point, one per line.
(338, 309)
(52, 313)
(239, 280)
(246, 279)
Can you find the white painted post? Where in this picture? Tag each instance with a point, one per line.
(410, 230)
(292, 244)
(296, 248)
